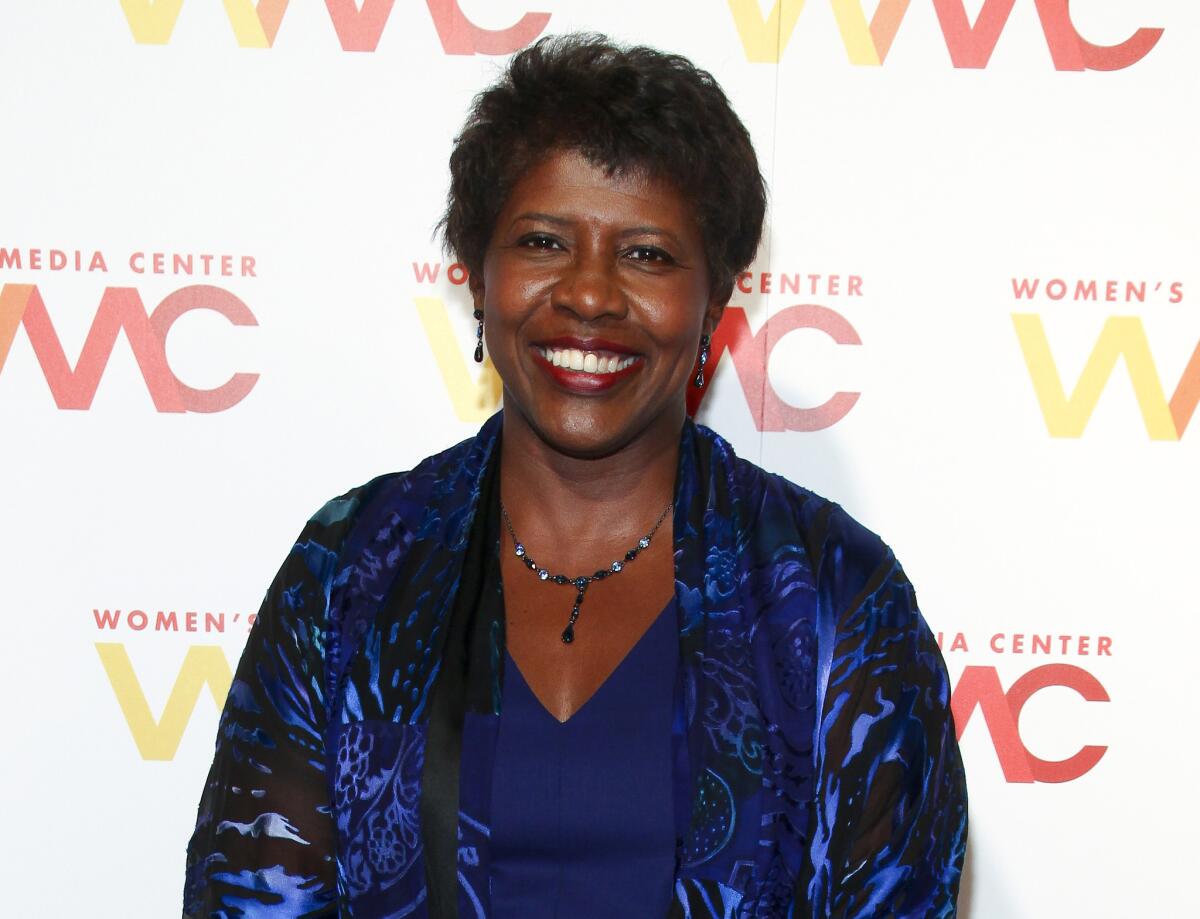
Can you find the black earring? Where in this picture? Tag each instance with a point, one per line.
(699, 381)
(479, 337)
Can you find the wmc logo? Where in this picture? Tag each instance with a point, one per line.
(970, 46)
(358, 25)
(121, 309)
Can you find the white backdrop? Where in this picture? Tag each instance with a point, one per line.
(1026, 454)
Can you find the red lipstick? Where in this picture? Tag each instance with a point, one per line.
(562, 342)
(582, 382)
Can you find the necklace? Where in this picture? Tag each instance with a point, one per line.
(581, 582)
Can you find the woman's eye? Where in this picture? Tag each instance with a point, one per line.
(539, 241)
(649, 255)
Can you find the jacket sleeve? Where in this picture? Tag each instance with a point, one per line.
(264, 838)
(890, 826)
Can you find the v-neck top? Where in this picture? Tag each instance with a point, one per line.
(583, 822)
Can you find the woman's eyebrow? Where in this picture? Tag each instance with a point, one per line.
(539, 217)
(650, 231)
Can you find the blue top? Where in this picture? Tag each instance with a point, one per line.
(583, 823)
(815, 767)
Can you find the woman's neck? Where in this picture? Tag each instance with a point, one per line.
(570, 509)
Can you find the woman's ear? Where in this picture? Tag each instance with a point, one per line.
(713, 314)
(475, 285)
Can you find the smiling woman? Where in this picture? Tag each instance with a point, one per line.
(595, 267)
(588, 662)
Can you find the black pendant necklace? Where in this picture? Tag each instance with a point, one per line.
(581, 582)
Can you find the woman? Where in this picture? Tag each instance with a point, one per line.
(588, 663)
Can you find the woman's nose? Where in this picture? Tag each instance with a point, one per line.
(590, 289)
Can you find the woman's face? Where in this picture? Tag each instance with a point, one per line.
(595, 292)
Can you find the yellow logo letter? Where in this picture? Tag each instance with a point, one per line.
(153, 21)
(765, 40)
(204, 664)
(473, 399)
(1122, 336)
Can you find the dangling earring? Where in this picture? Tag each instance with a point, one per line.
(479, 337)
(699, 381)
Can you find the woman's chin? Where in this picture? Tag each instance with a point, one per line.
(588, 430)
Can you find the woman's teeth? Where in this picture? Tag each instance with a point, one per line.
(587, 361)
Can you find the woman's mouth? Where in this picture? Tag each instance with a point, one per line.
(585, 370)
(587, 361)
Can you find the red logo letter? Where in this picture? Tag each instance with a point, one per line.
(1071, 51)
(461, 36)
(358, 29)
(205, 297)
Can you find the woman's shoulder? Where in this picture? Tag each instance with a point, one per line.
(402, 495)
(395, 505)
(862, 602)
(838, 547)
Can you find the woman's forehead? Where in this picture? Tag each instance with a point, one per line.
(567, 186)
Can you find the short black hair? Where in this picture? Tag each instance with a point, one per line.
(627, 109)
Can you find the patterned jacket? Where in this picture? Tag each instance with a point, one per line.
(816, 770)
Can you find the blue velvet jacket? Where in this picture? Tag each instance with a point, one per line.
(816, 771)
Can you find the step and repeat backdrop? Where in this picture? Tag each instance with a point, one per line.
(974, 322)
